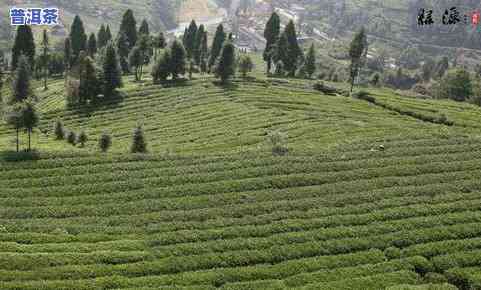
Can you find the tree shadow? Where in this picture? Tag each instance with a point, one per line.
(13, 156)
(101, 103)
(170, 83)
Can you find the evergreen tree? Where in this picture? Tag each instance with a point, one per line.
(225, 68)
(144, 28)
(82, 139)
(45, 58)
(139, 144)
(78, 38)
(111, 72)
(101, 37)
(189, 40)
(129, 28)
(30, 120)
(23, 45)
(15, 119)
(105, 142)
(217, 45)
(310, 65)
(245, 65)
(280, 53)
(92, 45)
(357, 49)
(59, 130)
(89, 84)
(21, 89)
(71, 137)
(123, 51)
(67, 53)
(178, 59)
(108, 34)
(204, 48)
(294, 52)
(136, 61)
(159, 43)
(161, 69)
(197, 50)
(442, 67)
(271, 34)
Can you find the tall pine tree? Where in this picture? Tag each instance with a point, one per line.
(294, 52)
(23, 45)
(78, 38)
(45, 58)
(217, 45)
(271, 34)
(128, 26)
(178, 59)
(310, 65)
(225, 68)
(21, 89)
(67, 53)
(101, 37)
(159, 43)
(92, 45)
(199, 36)
(357, 49)
(144, 28)
(189, 40)
(123, 49)
(108, 34)
(111, 71)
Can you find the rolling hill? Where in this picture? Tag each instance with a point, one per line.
(210, 207)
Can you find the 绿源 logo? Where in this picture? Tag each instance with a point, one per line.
(34, 16)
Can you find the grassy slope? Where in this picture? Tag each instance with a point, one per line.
(210, 216)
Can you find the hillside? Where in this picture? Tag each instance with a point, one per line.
(210, 207)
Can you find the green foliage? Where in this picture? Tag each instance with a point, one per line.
(217, 45)
(357, 49)
(72, 138)
(136, 61)
(82, 139)
(226, 66)
(310, 65)
(89, 85)
(144, 28)
(139, 144)
(456, 85)
(410, 58)
(271, 34)
(178, 59)
(102, 37)
(23, 45)
(162, 69)
(78, 38)
(200, 44)
(21, 87)
(111, 71)
(67, 53)
(128, 26)
(294, 53)
(59, 130)
(123, 50)
(92, 45)
(189, 39)
(442, 66)
(105, 142)
(245, 65)
(278, 141)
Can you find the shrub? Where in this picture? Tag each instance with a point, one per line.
(363, 95)
(59, 131)
(392, 253)
(139, 144)
(82, 138)
(105, 142)
(278, 141)
(72, 138)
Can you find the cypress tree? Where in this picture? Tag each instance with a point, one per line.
(21, 89)
(101, 37)
(144, 28)
(280, 53)
(190, 39)
(139, 144)
(129, 27)
(178, 59)
(123, 50)
(158, 43)
(108, 34)
(111, 72)
(89, 84)
(45, 58)
(294, 52)
(105, 142)
(161, 69)
(199, 36)
(356, 50)
(310, 65)
(204, 48)
(30, 120)
(92, 45)
(23, 45)
(217, 45)
(78, 38)
(225, 69)
(67, 53)
(15, 119)
(271, 34)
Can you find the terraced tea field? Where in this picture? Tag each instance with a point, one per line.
(210, 208)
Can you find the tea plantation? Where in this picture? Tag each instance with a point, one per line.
(369, 197)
